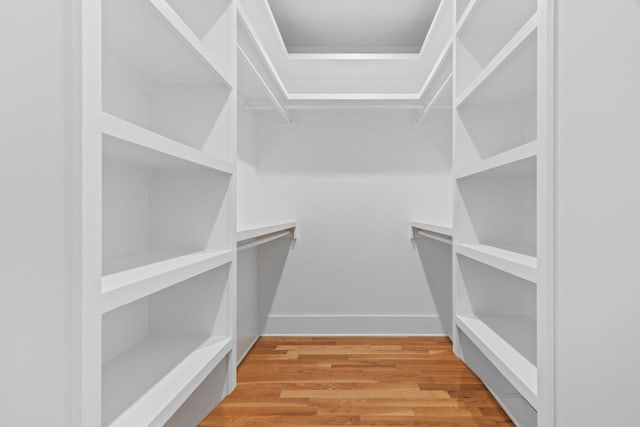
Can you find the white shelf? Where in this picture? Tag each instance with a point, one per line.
(252, 85)
(466, 14)
(507, 163)
(508, 341)
(480, 16)
(149, 148)
(518, 264)
(247, 233)
(513, 68)
(130, 285)
(149, 36)
(440, 99)
(445, 230)
(147, 384)
(439, 65)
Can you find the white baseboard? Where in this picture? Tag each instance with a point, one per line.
(352, 325)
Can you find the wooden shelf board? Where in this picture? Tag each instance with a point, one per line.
(124, 287)
(508, 341)
(166, 51)
(145, 385)
(252, 232)
(136, 144)
(511, 75)
(511, 162)
(515, 263)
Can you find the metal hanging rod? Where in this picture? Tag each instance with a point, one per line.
(264, 240)
(433, 236)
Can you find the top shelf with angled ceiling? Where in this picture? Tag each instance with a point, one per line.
(256, 82)
(165, 68)
(482, 33)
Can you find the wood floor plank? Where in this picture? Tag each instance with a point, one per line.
(360, 381)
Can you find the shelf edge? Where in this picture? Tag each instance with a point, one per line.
(131, 285)
(139, 136)
(527, 271)
(517, 154)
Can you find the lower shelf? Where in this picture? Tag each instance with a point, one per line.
(147, 384)
(509, 343)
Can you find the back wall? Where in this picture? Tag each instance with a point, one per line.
(353, 180)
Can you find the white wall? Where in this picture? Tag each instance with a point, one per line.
(35, 184)
(353, 180)
(597, 212)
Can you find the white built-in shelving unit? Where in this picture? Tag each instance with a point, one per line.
(163, 191)
(164, 87)
(503, 303)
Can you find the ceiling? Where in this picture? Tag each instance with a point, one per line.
(353, 26)
(351, 46)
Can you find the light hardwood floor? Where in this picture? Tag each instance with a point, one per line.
(366, 381)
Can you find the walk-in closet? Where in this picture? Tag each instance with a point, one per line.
(319, 212)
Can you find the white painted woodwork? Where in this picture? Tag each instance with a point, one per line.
(163, 173)
(524, 266)
(335, 76)
(503, 209)
(127, 286)
(494, 336)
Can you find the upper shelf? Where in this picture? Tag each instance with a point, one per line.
(166, 50)
(247, 233)
(445, 230)
(442, 98)
(510, 75)
(253, 86)
(149, 148)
